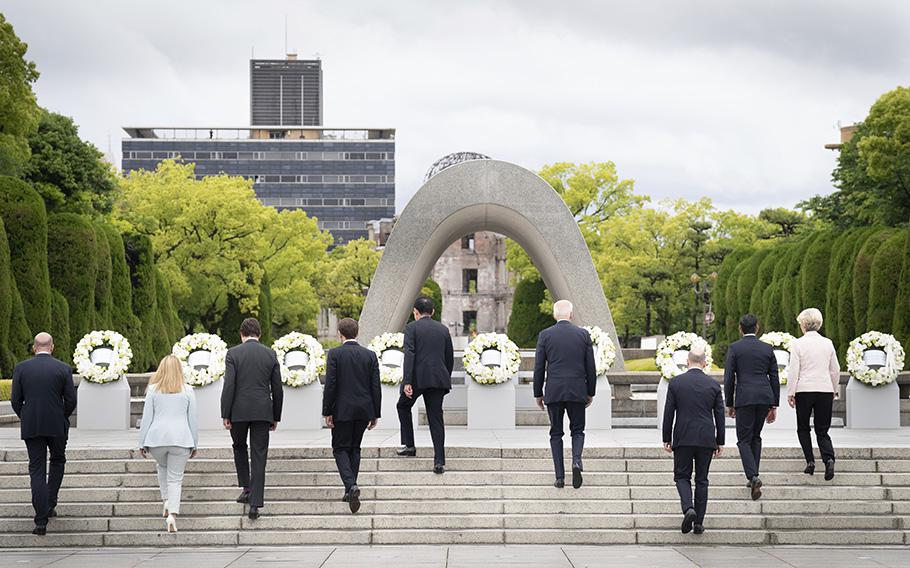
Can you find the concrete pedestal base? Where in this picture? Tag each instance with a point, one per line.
(491, 406)
(873, 407)
(389, 419)
(208, 406)
(302, 408)
(662, 388)
(600, 415)
(786, 416)
(103, 406)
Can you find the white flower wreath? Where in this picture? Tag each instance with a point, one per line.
(120, 361)
(681, 340)
(491, 375)
(894, 357)
(201, 342)
(780, 340)
(604, 349)
(389, 340)
(315, 366)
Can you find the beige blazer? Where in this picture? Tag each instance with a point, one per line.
(813, 365)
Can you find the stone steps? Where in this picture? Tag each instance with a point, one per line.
(488, 495)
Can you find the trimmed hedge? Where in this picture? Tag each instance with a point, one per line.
(846, 322)
(862, 270)
(883, 281)
(6, 305)
(25, 219)
(814, 272)
(103, 299)
(901, 325)
(432, 290)
(20, 334)
(70, 259)
(169, 315)
(265, 311)
(732, 303)
(763, 279)
(64, 345)
(771, 297)
(790, 303)
(526, 320)
(746, 281)
(841, 260)
(141, 262)
(719, 296)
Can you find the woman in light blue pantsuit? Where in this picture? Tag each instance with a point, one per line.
(168, 432)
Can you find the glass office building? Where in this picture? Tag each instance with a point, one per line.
(342, 176)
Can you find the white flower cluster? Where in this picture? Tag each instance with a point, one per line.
(604, 349)
(491, 375)
(388, 375)
(680, 341)
(315, 365)
(201, 342)
(780, 340)
(120, 361)
(894, 357)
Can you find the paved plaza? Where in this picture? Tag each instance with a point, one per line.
(525, 556)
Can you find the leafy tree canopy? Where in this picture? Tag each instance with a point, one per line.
(18, 106)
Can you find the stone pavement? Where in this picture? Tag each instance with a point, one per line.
(526, 556)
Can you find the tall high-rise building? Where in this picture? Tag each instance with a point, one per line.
(286, 92)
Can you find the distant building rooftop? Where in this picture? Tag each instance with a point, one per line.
(846, 133)
(258, 132)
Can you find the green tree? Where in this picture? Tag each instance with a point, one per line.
(69, 173)
(814, 272)
(71, 251)
(18, 107)
(123, 320)
(60, 328)
(791, 297)
(763, 278)
(265, 311)
(724, 312)
(771, 297)
(141, 261)
(846, 319)
(6, 305)
(841, 261)
(431, 290)
(103, 280)
(20, 335)
(901, 325)
(787, 221)
(746, 280)
(526, 321)
(346, 277)
(25, 220)
(862, 274)
(883, 282)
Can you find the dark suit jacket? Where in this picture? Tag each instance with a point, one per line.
(352, 390)
(252, 384)
(696, 401)
(428, 355)
(43, 397)
(750, 374)
(565, 354)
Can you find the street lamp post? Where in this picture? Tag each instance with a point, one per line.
(702, 287)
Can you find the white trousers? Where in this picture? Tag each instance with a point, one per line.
(171, 465)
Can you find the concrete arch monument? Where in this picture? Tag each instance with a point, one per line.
(483, 195)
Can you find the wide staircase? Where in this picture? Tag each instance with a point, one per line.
(489, 495)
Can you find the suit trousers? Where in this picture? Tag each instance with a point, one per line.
(258, 433)
(171, 462)
(45, 482)
(749, 423)
(346, 439)
(432, 399)
(576, 412)
(821, 405)
(683, 459)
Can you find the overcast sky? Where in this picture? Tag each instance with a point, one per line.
(730, 100)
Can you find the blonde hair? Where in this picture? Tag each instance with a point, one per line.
(810, 319)
(168, 379)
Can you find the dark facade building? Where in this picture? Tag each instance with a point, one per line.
(286, 92)
(344, 177)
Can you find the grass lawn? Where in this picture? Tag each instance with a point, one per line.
(640, 365)
(6, 387)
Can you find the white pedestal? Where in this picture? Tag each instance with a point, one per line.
(389, 419)
(491, 406)
(208, 406)
(873, 407)
(662, 387)
(103, 406)
(786, 416)
(302, 409)
(600, 414)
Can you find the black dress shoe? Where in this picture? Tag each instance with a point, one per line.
(688, 519)
(560, 483)
(756, 488)
(40, 530)
(810, 468)
(439, 469)
(749, 483)
(346, 498)
(829, 470)
(355, 499)
(698, 529)
(254, 513)
(407, 452)
(576, 476)
(244, 497)
(52, 513)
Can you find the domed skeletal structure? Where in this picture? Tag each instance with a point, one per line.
(450, 160)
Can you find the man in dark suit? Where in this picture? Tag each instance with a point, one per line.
(752, 390)
(351, 404)
(428, 363)
(696, 402)
(251, 406)
(565, 357)
(43, 397)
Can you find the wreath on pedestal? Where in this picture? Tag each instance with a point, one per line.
(894, 358)
(480, 373)
(604, 349)
(680, 341)
(201, 342)
(315, 365)
(120, 360)
(780, 340)
(388, 375)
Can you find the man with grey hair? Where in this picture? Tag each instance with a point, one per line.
(696, 402)
(565, 362)
(44, 397)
